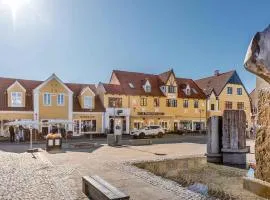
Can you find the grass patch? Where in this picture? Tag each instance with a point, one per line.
(223, 182)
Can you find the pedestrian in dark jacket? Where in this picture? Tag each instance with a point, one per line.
(12, 134)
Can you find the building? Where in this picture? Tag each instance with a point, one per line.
(50, 100)
(133, 100)
(225, 91)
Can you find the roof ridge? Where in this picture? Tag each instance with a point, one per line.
(221, 74)
(135, 72)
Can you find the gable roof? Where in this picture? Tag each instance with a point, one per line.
(165, 76)
(31, 85)
(138, 80)
(195, 91)
(215, 83)
(18, 83)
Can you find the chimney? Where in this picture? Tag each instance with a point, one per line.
(216, 72)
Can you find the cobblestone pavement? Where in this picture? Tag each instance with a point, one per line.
(57, 176)
(26, 177)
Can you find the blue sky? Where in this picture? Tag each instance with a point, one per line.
(84, 40)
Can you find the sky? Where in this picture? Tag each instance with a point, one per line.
(84, 40)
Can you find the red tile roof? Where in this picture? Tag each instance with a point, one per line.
(156, 81)
(30, 85)
(214, 83)
(195, 91)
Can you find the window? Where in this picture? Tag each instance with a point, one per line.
(239, 91)
(156, 102)
(47, 99)
(196, 104)
(131, 85)
(212, 106)
(16, 99)
(185, 104)
(228, 105)
(60, 99)
(143, 101)
(229, 90)
(171, 102)
(240, 105)
(171, 89)
(88, 102)
(164, 125)
(115, 102)
(147, 88)
(88, 126)
(187, 91)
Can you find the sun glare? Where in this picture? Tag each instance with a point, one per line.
(15, 5)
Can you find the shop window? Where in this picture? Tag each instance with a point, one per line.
(240, 105)
(60, 99)
(88, 126)
(228, 105)
(16, 99)
(196, 104)
(239, 91)
(143, 101)
(156, 102)
(229, 90)
(164, 124)
(171, 102)
(47, 99)
(212, 106)
(138, 125)
(185, 104)
(186, 125)
(76, 126)
(115, 102)
(88, 102)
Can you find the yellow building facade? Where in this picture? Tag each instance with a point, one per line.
(225, 91)
(133, 100)
(73, 107)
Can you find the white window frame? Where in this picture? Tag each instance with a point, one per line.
(84, 102)
(44, 99)
(16, 105)
(60, 103)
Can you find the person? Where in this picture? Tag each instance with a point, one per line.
(21, 134)
(17, 137)
(12, 134)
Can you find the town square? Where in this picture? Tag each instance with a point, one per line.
(134, 100)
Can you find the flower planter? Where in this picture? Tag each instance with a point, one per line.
(53, 143)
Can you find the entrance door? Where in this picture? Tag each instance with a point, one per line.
(111, 125)
(175, 126)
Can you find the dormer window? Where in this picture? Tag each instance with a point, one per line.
(131, 85)
(16, 99)
(188, 90)
(147, 87)
(171, 89)
(195, 91)
(88, 102)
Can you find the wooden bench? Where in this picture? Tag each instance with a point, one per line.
(96, 188)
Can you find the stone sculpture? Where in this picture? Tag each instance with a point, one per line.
(257, 61)
(234, 138)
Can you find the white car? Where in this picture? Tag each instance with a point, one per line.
(153, 130)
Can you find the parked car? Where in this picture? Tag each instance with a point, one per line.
(153, 130)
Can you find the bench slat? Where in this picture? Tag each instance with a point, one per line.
(109, 186)
(100, 189)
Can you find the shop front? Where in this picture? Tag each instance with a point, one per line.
(87, 123)
(117, 118)
(10, 116)
(143, 119)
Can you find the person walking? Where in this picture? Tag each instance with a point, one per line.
(12, 134)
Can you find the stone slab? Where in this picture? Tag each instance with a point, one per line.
(138, 142)
(257, 186)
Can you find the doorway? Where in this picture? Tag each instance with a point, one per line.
(111, 125)
(175, 126)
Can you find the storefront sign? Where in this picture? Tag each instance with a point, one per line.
(86, 117)
(150, 113)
